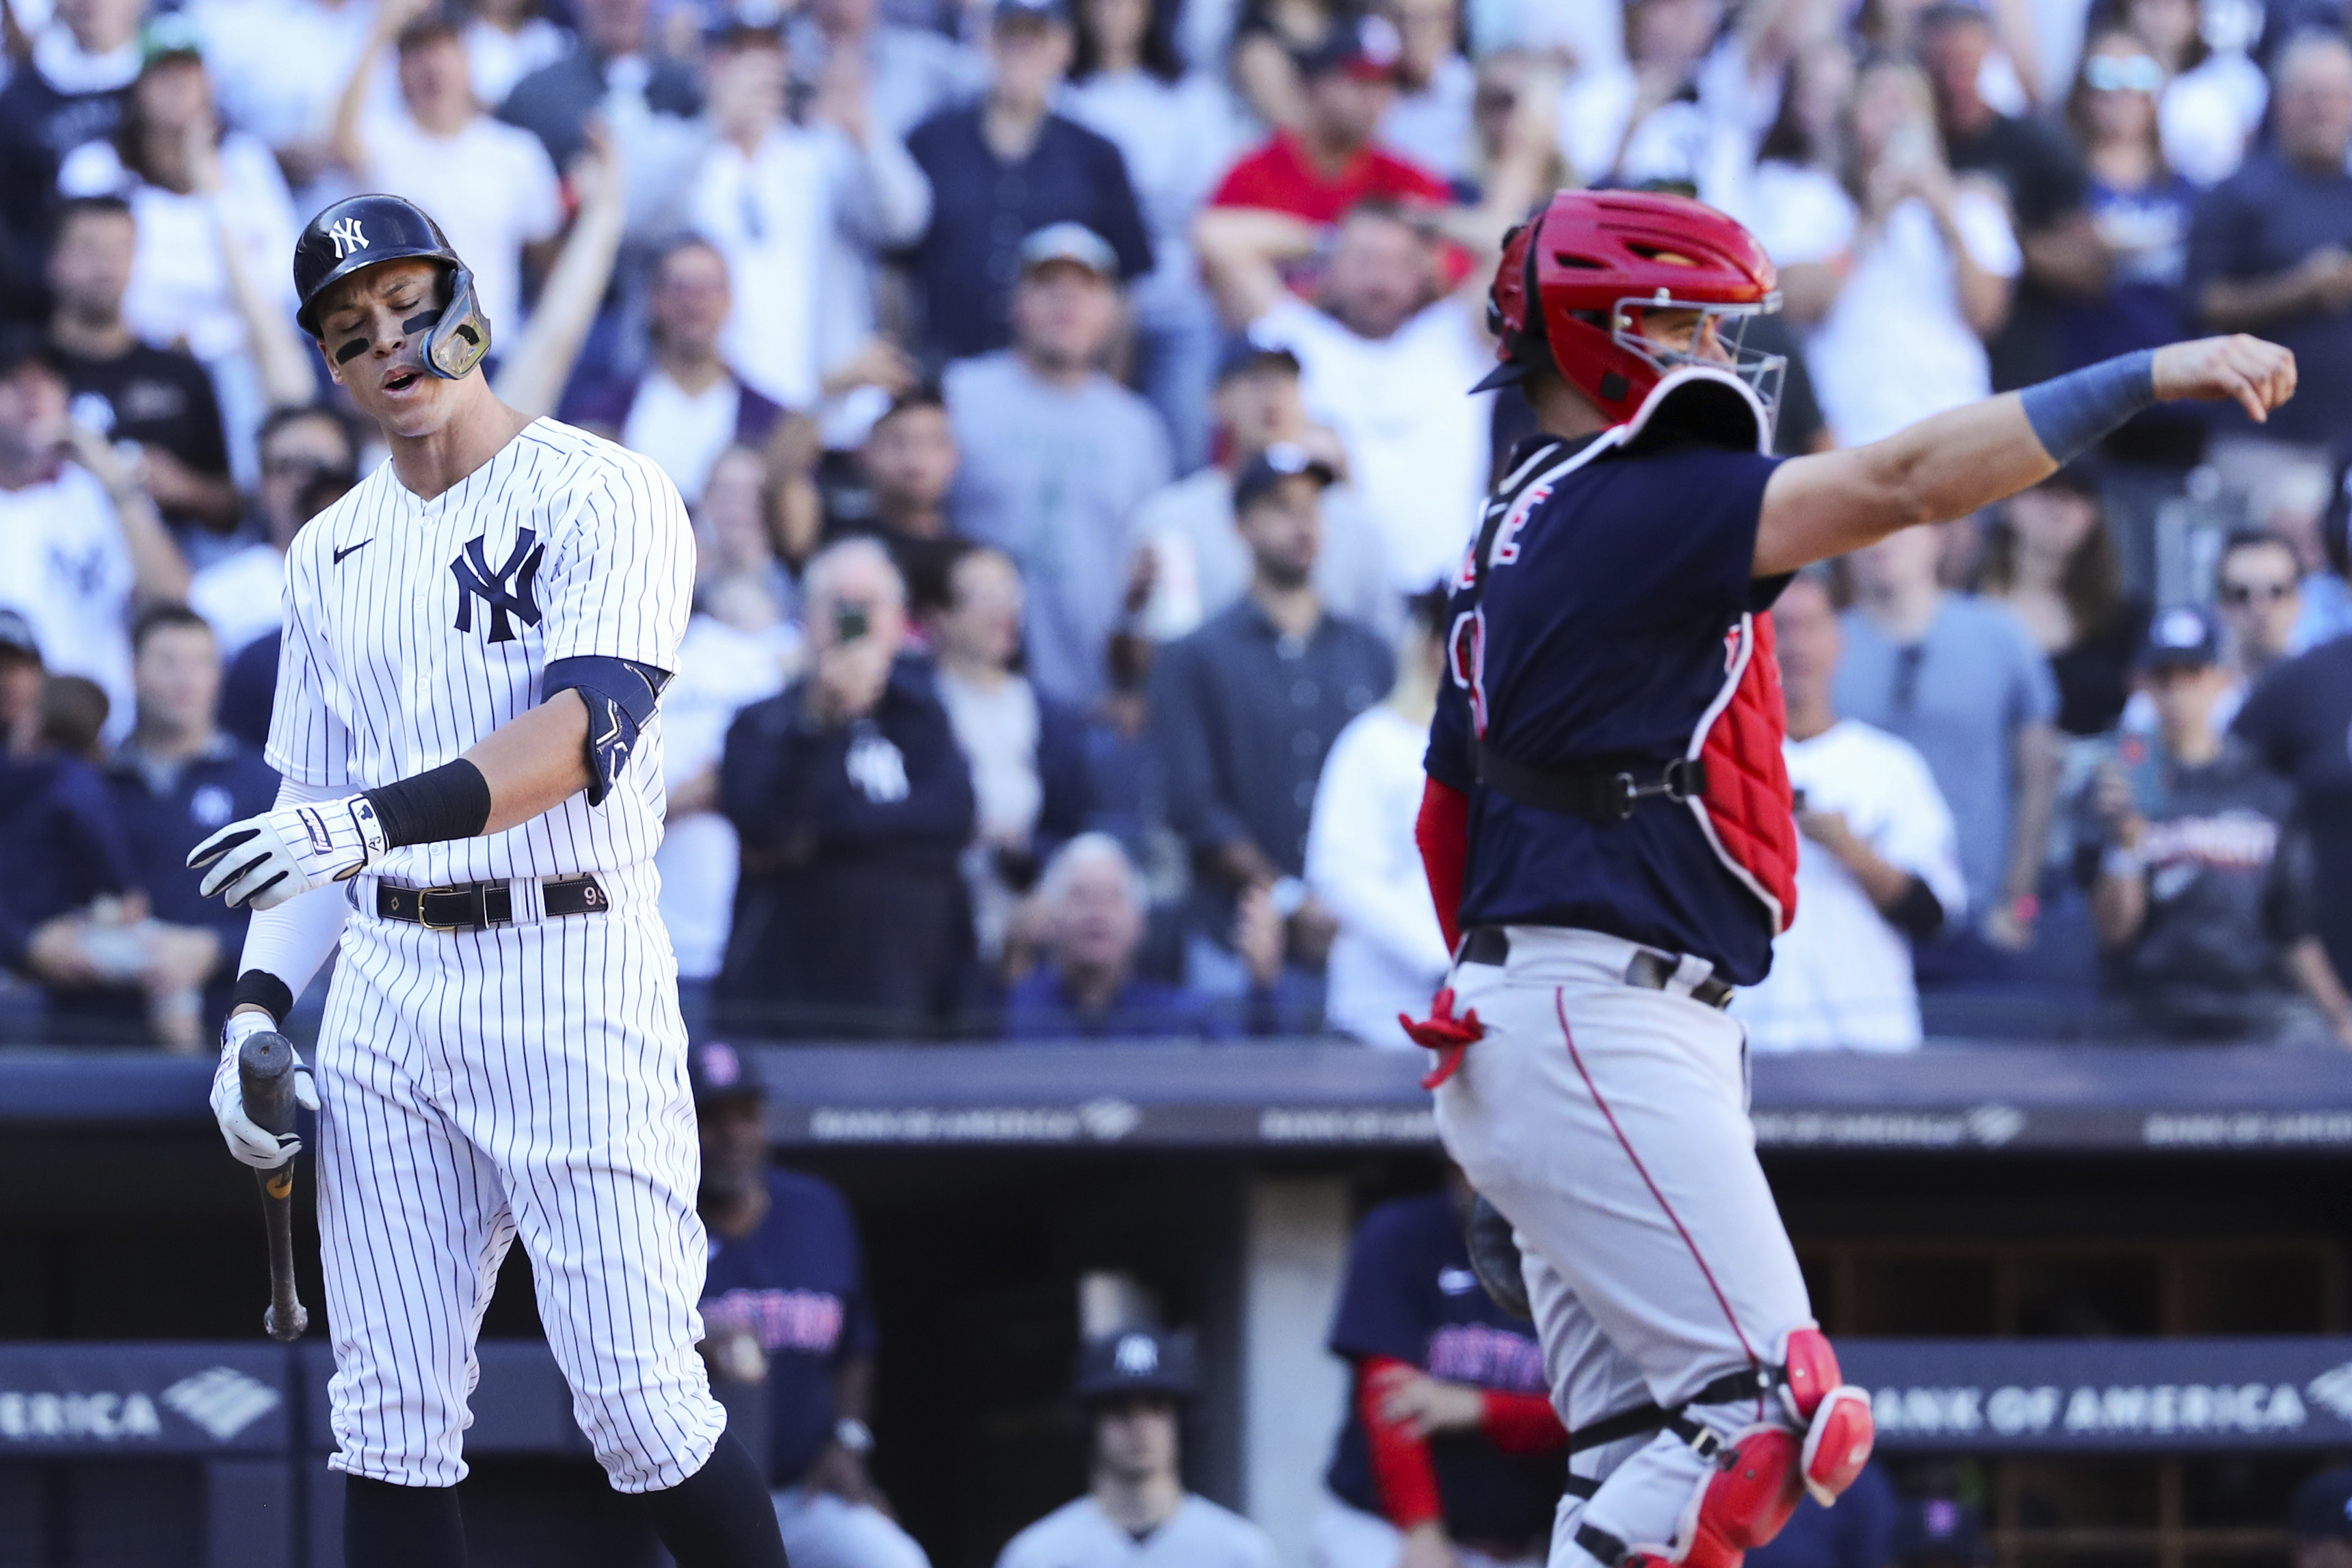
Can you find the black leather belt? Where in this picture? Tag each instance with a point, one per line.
(478, 905)
(1599, 791)
(1651, 971)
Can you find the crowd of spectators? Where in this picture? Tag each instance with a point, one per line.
(1072, 399)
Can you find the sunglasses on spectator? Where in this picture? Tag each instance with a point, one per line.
(2123, 73)
(2247, 592)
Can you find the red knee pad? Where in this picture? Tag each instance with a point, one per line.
(1833, 1415)
(1746, 1501)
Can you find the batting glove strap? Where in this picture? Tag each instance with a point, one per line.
(264, 861)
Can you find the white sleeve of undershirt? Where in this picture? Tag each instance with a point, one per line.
(293, 940)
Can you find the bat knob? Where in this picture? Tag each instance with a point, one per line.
(285, 1333)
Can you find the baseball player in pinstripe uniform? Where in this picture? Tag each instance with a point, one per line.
(475, 637)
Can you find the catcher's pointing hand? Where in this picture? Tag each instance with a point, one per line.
(264, 861)
(2258, 375)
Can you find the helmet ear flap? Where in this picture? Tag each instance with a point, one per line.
(459, 339)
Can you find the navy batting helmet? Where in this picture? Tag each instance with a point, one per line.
(361, 231)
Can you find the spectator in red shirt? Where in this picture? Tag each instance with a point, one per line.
(1329, 164)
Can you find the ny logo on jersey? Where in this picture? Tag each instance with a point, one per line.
(507, 590)
(347, 237)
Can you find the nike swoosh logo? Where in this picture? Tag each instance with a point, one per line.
(348, 549)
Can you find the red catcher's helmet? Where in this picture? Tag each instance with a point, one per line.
(1593, 263)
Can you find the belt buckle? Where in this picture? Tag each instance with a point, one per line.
(425, 895)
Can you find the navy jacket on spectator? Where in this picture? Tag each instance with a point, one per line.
(982, 209)
(165, 812)
(60, 846)
(249, 689)
(851, 917)
(39, 125)
(1244, 714)
(2262, 221)
(554, 101)
(1039, 1009)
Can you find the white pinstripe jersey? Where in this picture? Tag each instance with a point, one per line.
(414, 628)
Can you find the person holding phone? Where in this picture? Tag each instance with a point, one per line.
(854, 804)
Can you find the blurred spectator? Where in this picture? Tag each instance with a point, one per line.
(2297, 719)
(610, 69)
(1090, 916)
(2319, 1522)
(1639, 120)
(69, 91)
(2268, 253)
(1006, 169)
(908, 466)
(1509, 83)
(2141, 210)
(1127, 82)
(853, 803)
(1794, 200)
(1962, 681)
(1244, 712)
(1878, 861)
(738, 649)
(176, 781)
(2050, 559)
(1449, 1450)
(506, 40)
(2257, 584)
(81, 545)
(1328, 165)
(2042, 177)
(1388, 358)
(1931, 271)
(1133, 1388)
(155, 404)
(1199, 563)
(2213, 97)
(1858, 1533)
(74, 710)
(1056, 456)
(1429, 121)
(238, 593)
(1390, 957)
(798, 211)
(2200, 894)
(215, 227)
(909, 73)
(1269, 39)
(251, 49)
(688, 405)
(490, 186)
(63, 857)
(1027, 752)
(785, 1304)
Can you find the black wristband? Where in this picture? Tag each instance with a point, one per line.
(451, 802)
(260, 989)
(1919, 913)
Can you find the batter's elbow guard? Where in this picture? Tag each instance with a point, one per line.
(621, 695)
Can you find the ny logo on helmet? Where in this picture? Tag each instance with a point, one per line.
(345, 233)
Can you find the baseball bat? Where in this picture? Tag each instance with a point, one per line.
(264, 1072)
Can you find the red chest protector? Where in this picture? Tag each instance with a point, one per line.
(1748, 811)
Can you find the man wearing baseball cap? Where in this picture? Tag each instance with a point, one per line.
(1133, 1388)
(2200, 889)
(785, 1304)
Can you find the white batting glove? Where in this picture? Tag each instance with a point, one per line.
(264, 861)
(247, 1142)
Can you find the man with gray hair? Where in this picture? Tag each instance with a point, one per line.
(2270, 251)
(1092, 901)
(853, 802)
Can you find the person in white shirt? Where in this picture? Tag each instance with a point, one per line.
(240, 594)
(490, 186)
(1387, 357)
(1878, 861)
(1136, 1512)
(1428, 118)
(506, 41)
(798, 211)
(1389, 956)
(82, 546)
(1934, 267)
